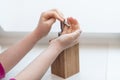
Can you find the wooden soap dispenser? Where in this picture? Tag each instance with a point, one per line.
(67, 63)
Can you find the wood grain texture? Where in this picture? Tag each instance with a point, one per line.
(67, 63)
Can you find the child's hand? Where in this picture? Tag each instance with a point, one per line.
(47, 19)
(70, 36)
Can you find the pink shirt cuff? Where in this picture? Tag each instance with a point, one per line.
(12, 79)
(2, 71)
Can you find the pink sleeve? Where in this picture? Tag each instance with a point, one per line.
(2, 71)
(12, 79)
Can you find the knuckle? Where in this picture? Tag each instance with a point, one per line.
(43, 13)
(55, 9)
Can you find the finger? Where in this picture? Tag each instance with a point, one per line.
(73, 20)
(70, 27)
(59, 12)
(65, 30)
(56, 15)
(69, 30)
(51, 21)
(69, 21)
(74, 23)
(75, 27)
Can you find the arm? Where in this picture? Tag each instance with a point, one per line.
(39, 66)
(15, 53)
(12, 55)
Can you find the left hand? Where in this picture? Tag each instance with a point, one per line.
(70, 36)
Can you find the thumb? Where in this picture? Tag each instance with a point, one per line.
(51, 21)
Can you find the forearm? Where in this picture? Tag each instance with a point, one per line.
(39, 66)
(15, 53)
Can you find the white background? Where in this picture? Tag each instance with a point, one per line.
(98, 61)
(99, 16)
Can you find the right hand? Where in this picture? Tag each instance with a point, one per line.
(70, 36)
(46, 21)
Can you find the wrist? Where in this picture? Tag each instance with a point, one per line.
(56, 46)
(37, 33)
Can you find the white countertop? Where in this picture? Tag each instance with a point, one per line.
(97, 62)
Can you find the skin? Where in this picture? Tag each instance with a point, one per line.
(36, 69)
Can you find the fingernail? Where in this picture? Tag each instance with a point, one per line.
(63, 19)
